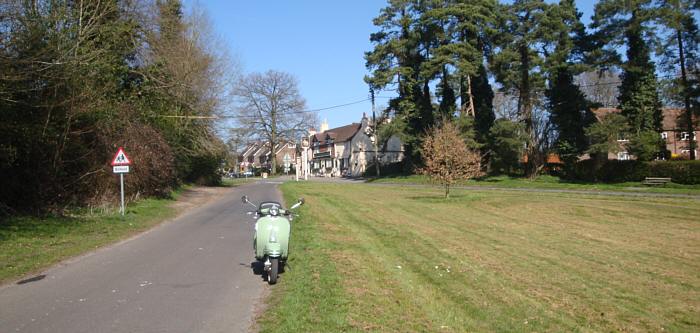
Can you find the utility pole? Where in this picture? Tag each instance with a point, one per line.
(374, 132)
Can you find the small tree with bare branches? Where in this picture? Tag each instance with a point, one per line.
(447, 158)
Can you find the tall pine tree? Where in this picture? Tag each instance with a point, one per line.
(627, 22)
(467, 27)
(569, 111)
(681, 55)
(526, 35)
(401, 47)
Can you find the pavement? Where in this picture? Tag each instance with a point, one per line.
(191, 274)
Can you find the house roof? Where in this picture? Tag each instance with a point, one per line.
(339, 134)
(600, 113)
(282, 146)
(250, 149)
(674, 118)
(670, 116)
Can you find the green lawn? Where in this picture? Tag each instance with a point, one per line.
(29, 244)
(391, 259)
(550, 182)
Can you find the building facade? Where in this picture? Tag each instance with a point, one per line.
(258, 155)
(673, 132)
(349, 150)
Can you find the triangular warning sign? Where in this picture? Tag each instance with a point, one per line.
(120, 158)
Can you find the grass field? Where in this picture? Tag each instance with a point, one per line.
(29, 244)
(388, 259)
(550, 182)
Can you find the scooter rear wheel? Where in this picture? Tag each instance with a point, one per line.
(274, 270)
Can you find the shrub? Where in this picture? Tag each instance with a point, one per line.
(614, 171)
(681, 172)
(391, 169)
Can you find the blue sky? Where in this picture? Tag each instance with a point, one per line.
(321, 42)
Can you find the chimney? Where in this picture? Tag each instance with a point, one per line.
(324, 125)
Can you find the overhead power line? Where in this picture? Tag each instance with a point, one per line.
(367, 99)
(292, 112)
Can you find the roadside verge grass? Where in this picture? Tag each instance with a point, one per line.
(392, 259)
(30, 244)
(309, 296)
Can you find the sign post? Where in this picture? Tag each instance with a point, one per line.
(304, 157)
(287, 163)
(120, 165)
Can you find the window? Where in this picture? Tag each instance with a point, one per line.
(685, 136)
(622, 137)
(664, 135)
(623, 156)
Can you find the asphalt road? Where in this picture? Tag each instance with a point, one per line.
(192, 274)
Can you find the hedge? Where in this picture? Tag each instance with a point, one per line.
(614, 171)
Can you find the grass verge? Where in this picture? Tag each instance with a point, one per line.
(30, 244)
(309, 296)
(549, 182)
(486, 261)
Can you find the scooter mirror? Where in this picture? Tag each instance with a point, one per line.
(244, 199)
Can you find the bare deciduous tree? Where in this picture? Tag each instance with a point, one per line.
(270, 105)
(600, 87)
(447, 158)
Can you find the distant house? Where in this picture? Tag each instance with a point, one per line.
(673, 133)
(258, 155)
(676, 135)
(348, 150)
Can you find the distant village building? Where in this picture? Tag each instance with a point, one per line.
(258, 155)
(674, 133)
(348, 150)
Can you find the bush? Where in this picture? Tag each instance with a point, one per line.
(681, 172)
(391, 169)
(616, 171)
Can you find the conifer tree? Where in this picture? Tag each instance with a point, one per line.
(681, 47)
(484, 115)
(467, 29)
(627, 22)
(569, 111)
(400, 49)
(526, 34)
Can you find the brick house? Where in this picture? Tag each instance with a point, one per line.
(258, 154)
(673, 133)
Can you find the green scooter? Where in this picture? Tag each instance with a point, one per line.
(271, 239)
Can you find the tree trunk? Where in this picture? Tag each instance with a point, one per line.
(447, 191)
(471, 110)
(273, 139)
(686, 97)
(525, 107)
